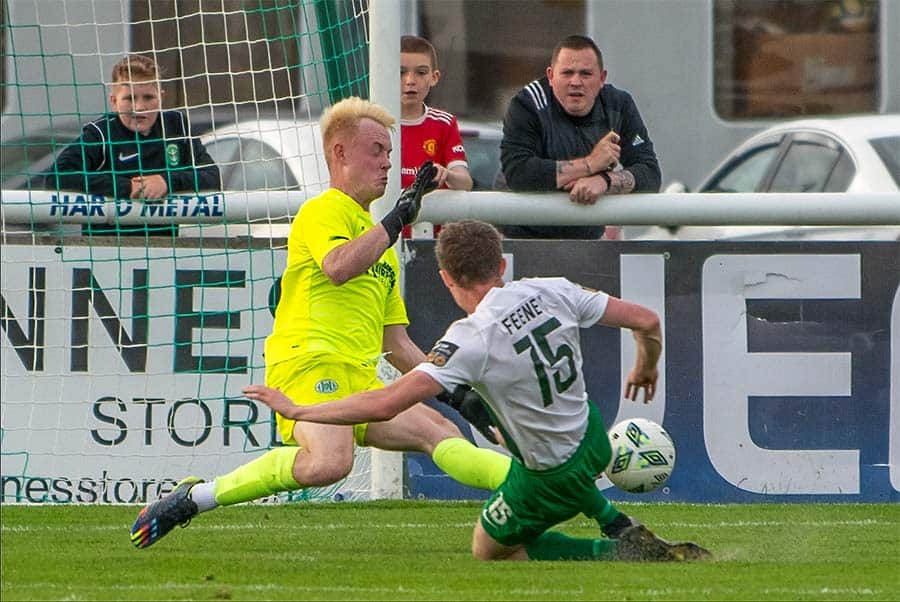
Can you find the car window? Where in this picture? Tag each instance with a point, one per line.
(17, 155)
(746, 173)
(224, 153)
(26, 160)
(841, 175)
(262, 168)
(806, 167)
(888, 149)
(250, 165)
(483, 157)
(28, 176)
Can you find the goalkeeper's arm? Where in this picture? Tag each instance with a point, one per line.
(470, 405)
(354, 257)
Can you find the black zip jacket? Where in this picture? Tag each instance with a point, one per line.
(537, 132)
(107, 155)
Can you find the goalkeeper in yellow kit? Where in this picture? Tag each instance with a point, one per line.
(340, 310)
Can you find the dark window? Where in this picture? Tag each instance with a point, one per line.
(483, 157)
(796, 57)
(488, 49)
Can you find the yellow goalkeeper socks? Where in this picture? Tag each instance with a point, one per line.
(470, 465)
(271, 473)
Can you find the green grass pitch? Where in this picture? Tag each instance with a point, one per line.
(420, 551)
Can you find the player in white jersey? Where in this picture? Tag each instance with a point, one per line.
(519, 348)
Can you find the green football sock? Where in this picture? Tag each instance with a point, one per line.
(272, 472)
(553, 545)
(470, 465)
(603, 511)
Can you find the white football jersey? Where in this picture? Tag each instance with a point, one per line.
(521, 351)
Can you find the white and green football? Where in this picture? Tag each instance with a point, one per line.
(643, 455)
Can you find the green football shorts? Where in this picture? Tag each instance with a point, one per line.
(531, 501)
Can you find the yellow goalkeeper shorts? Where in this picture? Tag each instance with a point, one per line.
(313, 382)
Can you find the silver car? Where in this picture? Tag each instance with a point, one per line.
(842, 154)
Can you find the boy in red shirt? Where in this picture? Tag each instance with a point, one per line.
(427, 133)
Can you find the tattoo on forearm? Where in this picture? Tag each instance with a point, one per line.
(562, 165)
(622, 182)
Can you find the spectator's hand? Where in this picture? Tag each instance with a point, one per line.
(441, 178)
(456, 178)
(149, 187)
(586, 191)
(605, 154)
(408, 205)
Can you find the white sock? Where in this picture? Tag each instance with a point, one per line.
(204, 495)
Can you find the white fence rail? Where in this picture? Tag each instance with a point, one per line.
(748, 209)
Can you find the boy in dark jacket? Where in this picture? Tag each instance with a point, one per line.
(138, 151)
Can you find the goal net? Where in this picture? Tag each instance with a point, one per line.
(124, 347)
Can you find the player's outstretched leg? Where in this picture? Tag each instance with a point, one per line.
(639, 544)
(160, 517)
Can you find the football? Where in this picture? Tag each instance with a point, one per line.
(643, 455)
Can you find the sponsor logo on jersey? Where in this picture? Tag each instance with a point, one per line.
(441, 353)
(326, 386)
(637, 140)
(384, 273)
(430, 147)
(173, 155)
(124, 157)
(459, 149)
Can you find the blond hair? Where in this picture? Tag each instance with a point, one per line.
(135, 68)
(342, 120)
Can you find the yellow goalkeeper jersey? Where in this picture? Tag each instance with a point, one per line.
(318, 318)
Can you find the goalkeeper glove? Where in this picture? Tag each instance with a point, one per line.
(469, 404)
(410, 202)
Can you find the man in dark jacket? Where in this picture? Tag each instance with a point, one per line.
(571, 131)
(138, 151)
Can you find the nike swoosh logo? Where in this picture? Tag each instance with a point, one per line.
(127, 157)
